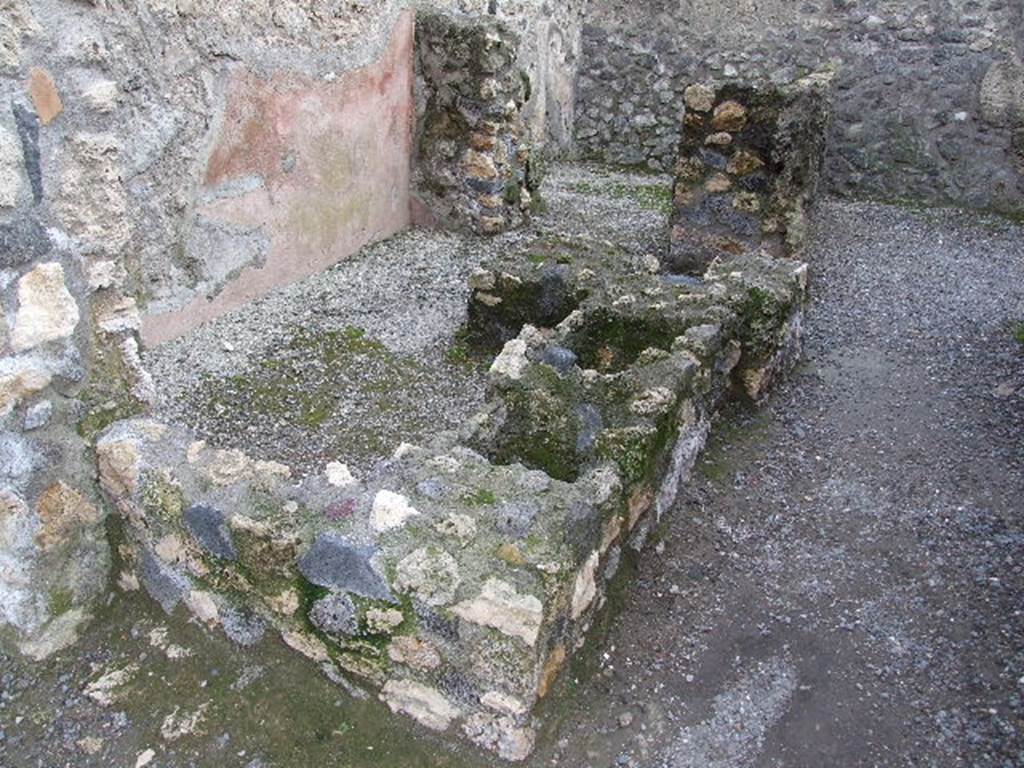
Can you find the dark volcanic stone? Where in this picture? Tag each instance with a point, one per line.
(161, 582)
(515, 519)
(434, 622)
(335, 614)
(209, 528)
(334, 562)
(559, 358)
(28, 132)
(583, 529)
(591, 424)
(716, 160)
(22, 240)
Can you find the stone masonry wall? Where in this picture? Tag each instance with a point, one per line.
(930, 95)
(456, 579)
(747, 171)
(153, 155)
(473, 154)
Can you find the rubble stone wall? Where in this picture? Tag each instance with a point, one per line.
(473, 151)
(456, 579)
(747, 171)
(929, 95)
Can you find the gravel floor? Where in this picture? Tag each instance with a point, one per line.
(841, 585)
(342, 366)
(348, 364)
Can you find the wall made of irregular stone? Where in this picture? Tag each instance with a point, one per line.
(473, 152)
(929, 102)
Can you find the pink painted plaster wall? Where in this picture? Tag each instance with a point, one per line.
(318, 168)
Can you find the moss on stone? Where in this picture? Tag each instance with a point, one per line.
(60, 602)
(274, 388)
(541, 426)
(761, 315)
(542, 296)
(482, 497)
(610, 342)
(306, 383)
(97, 418)
(107, 396)
(308, 594)
(162, 498)
(629, 448)
(380, 640)
(511, 554)
(267, 570)
(513, 194)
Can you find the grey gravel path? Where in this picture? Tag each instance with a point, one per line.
(843, 584)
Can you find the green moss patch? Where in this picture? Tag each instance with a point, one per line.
(609, 342)
(651, 197)
(762, 315)
(330, 394)
(107, 397)
(1018, 332)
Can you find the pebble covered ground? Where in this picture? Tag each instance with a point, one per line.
(841, 584)
(342, 366)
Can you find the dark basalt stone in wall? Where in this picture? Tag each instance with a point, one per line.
(21, 240)
(209, 528)
(337, 563)
(28, 133)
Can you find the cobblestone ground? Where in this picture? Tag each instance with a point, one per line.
(841, 585)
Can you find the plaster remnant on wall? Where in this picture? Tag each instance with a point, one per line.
(91, 202)
(11, 174)
(16, 22)
(302, 173)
